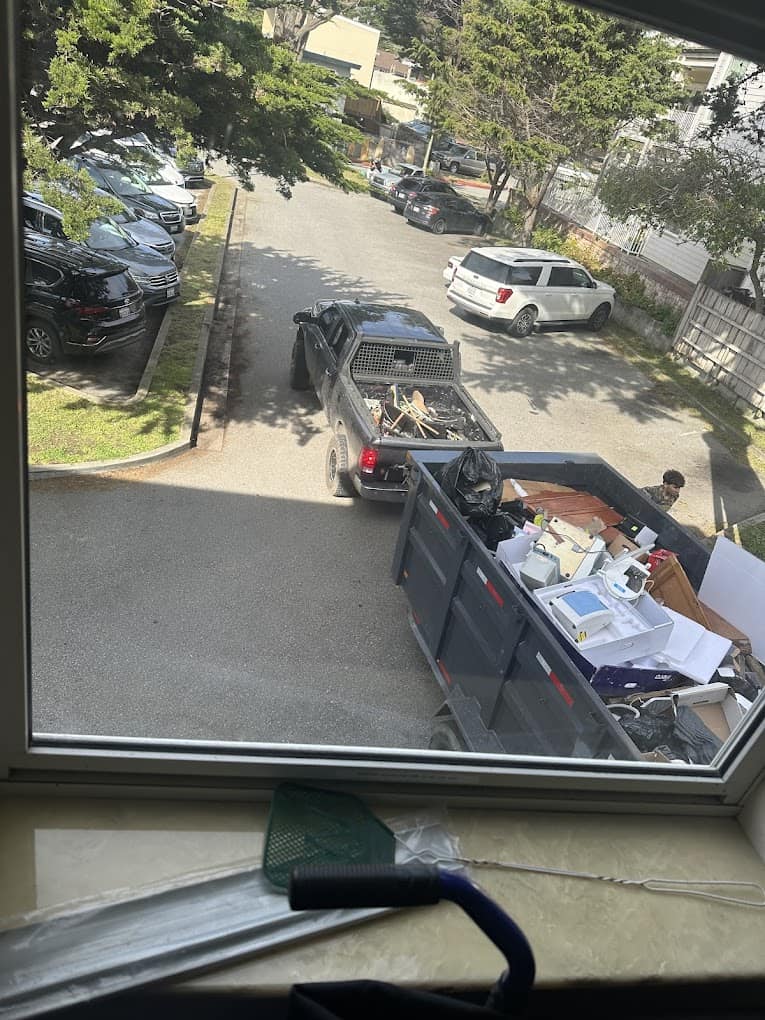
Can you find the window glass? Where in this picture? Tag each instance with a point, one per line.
(30, 217)
(579, 278)
(498, 272)
(527, 275)
(52, 225)
(242, 593)
(40, 275)
(560, 276)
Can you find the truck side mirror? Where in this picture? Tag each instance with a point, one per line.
(304, 316)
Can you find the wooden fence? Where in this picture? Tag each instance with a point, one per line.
(724, 341)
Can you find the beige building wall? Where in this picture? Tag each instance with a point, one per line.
(403, 105)
(343, 39)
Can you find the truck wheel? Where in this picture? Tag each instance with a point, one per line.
(523, 324)
(599, 317)
(454, 167)
(336, 468)
(299, 378)
(444, 737)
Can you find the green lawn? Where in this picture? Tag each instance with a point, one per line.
(753, 539)
(64, 427)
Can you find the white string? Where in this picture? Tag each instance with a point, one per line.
(671, 886)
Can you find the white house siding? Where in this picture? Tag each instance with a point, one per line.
(687, 259)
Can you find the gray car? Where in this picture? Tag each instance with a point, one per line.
(143, 231)
(155, 274)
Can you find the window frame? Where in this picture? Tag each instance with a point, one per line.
(155, 767)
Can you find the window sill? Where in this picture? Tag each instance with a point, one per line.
(54, 851)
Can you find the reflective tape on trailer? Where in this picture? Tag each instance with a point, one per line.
(556, 680)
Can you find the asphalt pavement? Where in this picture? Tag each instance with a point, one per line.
(225, 595)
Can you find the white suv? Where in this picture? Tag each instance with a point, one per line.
(526, 286)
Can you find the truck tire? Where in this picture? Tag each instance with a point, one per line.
(454, 167)
(445, 737)
(299, 377)
(336, 467)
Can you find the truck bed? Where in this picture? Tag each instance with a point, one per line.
(426, 411)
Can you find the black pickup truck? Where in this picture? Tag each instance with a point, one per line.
(389, 383)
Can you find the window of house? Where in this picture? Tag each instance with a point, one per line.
(220, 620)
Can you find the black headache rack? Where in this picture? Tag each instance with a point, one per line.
(431, 368)
(511, 683)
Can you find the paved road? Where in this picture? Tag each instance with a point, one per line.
(224, 595)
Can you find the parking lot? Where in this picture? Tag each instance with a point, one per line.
(225, 595)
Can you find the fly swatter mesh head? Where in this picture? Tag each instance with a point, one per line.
(312, 826)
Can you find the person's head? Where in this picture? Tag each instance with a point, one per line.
(673, 481)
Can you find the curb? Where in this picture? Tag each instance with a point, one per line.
(193, 402)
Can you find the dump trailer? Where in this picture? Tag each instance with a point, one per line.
(512, 683)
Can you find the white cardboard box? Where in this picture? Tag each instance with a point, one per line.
(640, 628)
(715, 705)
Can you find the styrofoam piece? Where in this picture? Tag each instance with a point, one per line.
(514, 550)
(638, 628)
(734, 586)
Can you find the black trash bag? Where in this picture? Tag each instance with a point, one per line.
(473, 482)
(496, 529)
(698, 742)
(647, 732)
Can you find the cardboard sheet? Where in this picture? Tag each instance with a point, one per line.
(734, 587)
(692, 650)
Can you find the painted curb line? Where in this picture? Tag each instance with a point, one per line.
(178, 446)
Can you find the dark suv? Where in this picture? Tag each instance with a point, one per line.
(77, 301)
(117, 180)
(410, 187)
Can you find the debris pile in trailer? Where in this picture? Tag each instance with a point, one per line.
(426, 412)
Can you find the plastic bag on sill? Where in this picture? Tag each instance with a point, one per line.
(127, 939)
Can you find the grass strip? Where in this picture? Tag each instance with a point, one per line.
(65, 428)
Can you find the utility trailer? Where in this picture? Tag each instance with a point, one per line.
(511, 682)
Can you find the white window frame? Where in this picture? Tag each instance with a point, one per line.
(214, 769)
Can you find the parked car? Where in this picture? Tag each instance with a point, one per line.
(155, 274)
(460, 159)
(440, 213)
(117, 180)
(414, 187)
(142, 230)
(381, 181)
(77, 301)
(522, 287)
(154, 179)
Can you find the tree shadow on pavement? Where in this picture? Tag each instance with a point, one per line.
(262, 366)
(556, 364)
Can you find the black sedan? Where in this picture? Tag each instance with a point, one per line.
(440, 213)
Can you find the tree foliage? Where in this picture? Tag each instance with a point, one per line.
(729, 112)
(709, 193)
(197, 72)
(539, 82)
